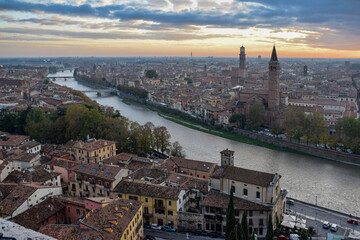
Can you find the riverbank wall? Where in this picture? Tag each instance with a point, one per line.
(324, 208)
(318, 152)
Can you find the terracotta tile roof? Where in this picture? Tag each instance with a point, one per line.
(154, 175)
(66, 232)
(23, 157)
(187, 182)
(72, 200)
(33, 217)
(64, 163)
(244, 175)
(98, 170)
(38, 174)
(202, 166)
(29, 145)
(138, 187)
(91, 146)
(121, 157)
(218, 199)
(121, 211)
(15, 197)
(13, 140)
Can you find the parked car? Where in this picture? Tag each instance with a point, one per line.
(290, 211)
(290, 202)
(282, 237)
(149, 237)
(353, 221)
(146, 225)
(168, 228)
(214, 235)
(326, 225)
(155, 226)
(201, 232)
(334, 228)
(294, 237)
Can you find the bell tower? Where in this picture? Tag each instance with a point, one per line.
(274, 82)
(242, 65)
(227, 158)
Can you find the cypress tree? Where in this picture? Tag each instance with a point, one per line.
(303, 234)
(230, 215)
(245, 226)
(253, 236)
(233, 234)
(240, 232)
(270, 230)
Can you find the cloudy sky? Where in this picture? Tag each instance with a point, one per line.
(300, 28)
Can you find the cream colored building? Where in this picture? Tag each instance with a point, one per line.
(94, 151)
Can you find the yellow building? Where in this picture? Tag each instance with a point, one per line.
(161, 204)
(94, 151)
(120, 219)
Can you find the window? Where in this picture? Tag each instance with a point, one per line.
(119, 195)
(100, 182)
(170, 213)
(245, 192)
(78, 211)
(146, 199)
(260, 231)
(261, 222)
(250, 213)
(258, 195)
(261, 212)
(169, 203)
(69, 209)
(146, 210)
(133, 198)
(250, 222)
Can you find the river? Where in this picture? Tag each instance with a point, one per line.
(336, 185)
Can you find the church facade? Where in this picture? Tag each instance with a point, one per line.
(270, 98)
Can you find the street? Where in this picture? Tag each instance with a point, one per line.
(315, 216)
(159, 235)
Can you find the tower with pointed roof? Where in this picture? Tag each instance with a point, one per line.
(242, 65)
(274, 82)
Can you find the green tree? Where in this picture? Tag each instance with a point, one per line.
(315, 125)
(151, 74)
(348, 126)
(270, 229)
(177, 150)
(304, 234)
(233, 235)
(240, 232)
(294, 117)
(162, 139)
(238, 118)
(256, 115)
(188, 80)
(230, 215)
(245, 225)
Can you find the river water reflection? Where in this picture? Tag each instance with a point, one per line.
(336, 185)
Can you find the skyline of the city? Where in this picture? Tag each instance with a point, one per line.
(55, 28)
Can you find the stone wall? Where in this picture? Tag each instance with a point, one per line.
(189, 221)
(318, 152)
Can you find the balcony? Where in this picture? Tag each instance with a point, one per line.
(92, 183)
(159, 206)
(86, 191)
(78, 180)
(147, 214)
(107, 188)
